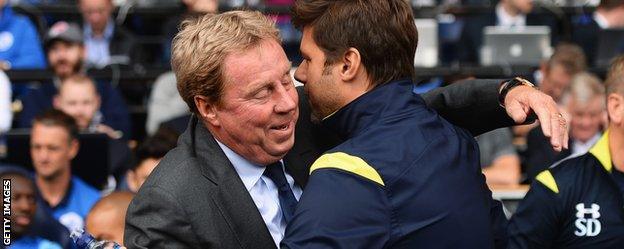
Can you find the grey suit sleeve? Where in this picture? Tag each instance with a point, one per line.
(470, 104)
(155, 220)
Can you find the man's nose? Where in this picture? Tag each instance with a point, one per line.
(300, 73)
(286, 103)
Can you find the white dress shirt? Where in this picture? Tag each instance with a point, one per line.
(601, 20)
(263, 192)
(506, 20)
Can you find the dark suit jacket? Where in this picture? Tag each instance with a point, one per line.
(539, 154)
(195, 198)
(472, 34)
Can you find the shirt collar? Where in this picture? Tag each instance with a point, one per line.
(248, 172)
(579, 147)
(108, 30)
(601, 20)
(504, 19)
(601, 151)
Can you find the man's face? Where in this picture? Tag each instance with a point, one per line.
(555, 81)
(65, 58)
(23, 204)
(524, 6)
(586, 118)
(51, 150)
(106, 225)
(96, 13)
(258, 109)
(140, 174)
(319, 81)
(79, 100)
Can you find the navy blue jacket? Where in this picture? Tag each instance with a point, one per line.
(404, 178)
(575, 204)
(113, 107)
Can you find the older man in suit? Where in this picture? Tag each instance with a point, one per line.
(237, 167)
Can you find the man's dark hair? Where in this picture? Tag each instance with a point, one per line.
(383, 32)
(58, 118)
(610, 4)
(155, 147)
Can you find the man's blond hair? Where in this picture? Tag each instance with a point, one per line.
(203, 43)
(615, 76)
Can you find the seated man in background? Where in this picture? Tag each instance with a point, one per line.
(23, 208)
(499, 161)
(66, 53)
(508, 13)
(577, 203)
(609, 14)
(78, 97)
(54, 143)
(584, 101)
(147, 157)
(105, 42)
(106, 220)
(20, 46)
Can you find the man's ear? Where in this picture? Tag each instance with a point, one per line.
(207, 111)
(615, 108)
(351, 64)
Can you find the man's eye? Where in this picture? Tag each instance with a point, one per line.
(262, 93)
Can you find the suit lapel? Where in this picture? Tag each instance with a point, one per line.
(231, 197)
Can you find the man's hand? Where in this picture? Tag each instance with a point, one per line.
(519, 102)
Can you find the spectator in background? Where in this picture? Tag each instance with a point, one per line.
(78, 97)
(148, 155)
(508, 13)
(555, 75)
(608, 15)
(6, 114)
(499, 160)
(20, 46)
(54, 143)
(193, 9)
(64, 45)
(105, 42)
(23, 209)
(106, 220)
(584, 101)
(165, 102)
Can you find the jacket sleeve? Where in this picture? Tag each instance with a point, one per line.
(535, 223)
(468, 103)
(30, 51)
(155, 220)
(339, 210)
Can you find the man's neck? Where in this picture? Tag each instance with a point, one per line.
(616, 143)
(511, 11)
(53, 190)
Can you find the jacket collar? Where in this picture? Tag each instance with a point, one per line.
(360, 113)
(230, 195)
(601, 151)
